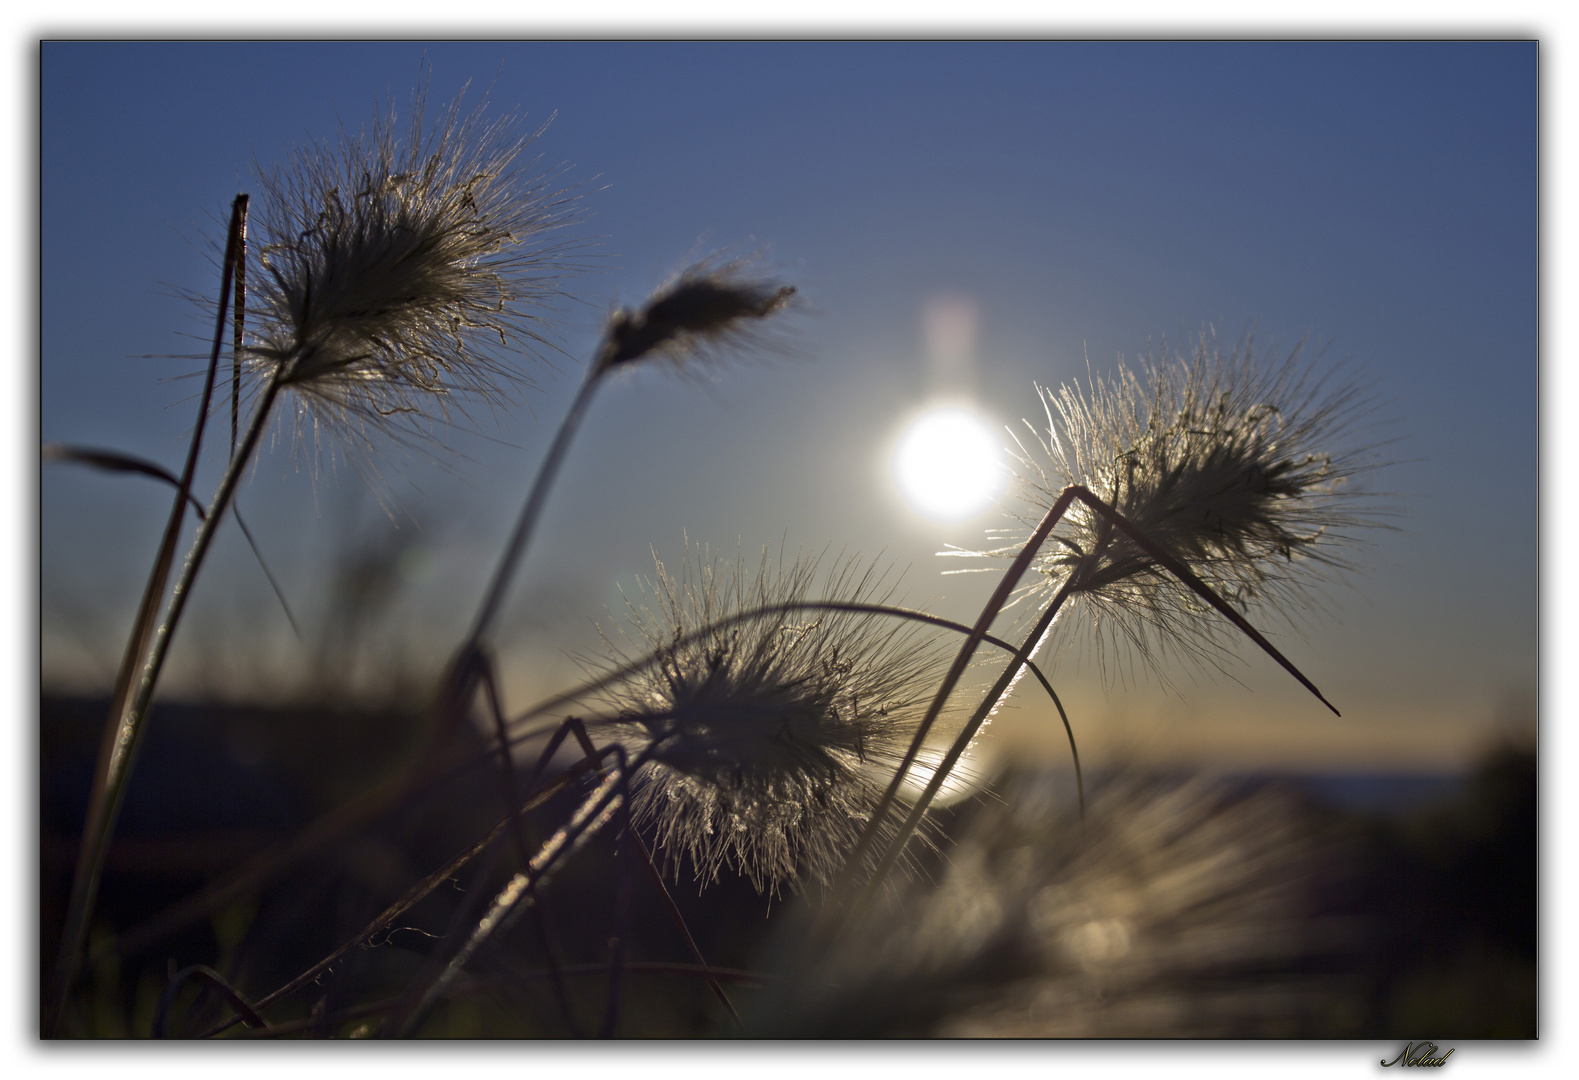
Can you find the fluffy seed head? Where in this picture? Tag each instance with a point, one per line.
(1242, 472)
(709, 309)
(768, 741)
(1182, 908)
(404, 272)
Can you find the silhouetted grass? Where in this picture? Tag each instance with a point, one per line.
(705, 837)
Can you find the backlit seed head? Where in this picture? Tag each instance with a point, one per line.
(405, 271)
(710, 309)
(1181, 907)
(1243, 472)
(768, 741)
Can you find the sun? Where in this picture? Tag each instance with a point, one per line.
(947, 463)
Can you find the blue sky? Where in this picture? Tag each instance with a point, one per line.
(1089, 199)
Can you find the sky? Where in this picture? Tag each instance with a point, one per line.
(1055, 206)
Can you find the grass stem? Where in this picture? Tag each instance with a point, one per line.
(122, 729)
(1033, 642)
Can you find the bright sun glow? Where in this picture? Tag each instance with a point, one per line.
(947, 464)
(964, 779)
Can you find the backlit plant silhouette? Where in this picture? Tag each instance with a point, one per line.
(782, 724)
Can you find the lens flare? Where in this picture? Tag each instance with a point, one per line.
(947, 464)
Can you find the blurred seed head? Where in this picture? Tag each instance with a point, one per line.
(406, 271)
(769, 741)
(1242, 471)
(1183, 908)
(710, 310)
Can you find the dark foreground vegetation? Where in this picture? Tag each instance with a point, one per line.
(1322, 922)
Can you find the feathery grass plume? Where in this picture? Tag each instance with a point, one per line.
(1186, 908)
(713, 308)
(403, 272)
(1241, 471)
(1234, 482)
(769, 741)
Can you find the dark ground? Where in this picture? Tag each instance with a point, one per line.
(1441, 884)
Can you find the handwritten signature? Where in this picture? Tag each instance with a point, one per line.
(1420, 1055)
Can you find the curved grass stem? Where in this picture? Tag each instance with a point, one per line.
(123, 729)
(1006, 680)
(408, 900)
(531, 510)
(461, 677)
(594, 813)
(995, 604)
(245, 1011)
(378, 801)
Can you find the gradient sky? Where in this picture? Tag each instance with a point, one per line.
(1089, 199)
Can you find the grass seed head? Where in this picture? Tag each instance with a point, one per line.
(1183, 907)
(769, 741)
(1241, 471)
(710, 309)
(405, 273)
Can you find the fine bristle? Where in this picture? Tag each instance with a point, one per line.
(1242, 472)
(404, 277)
(1183, 908)
(769, 741)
